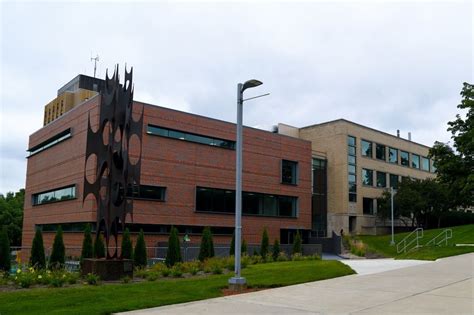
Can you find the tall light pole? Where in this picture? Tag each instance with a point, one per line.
(238, 282)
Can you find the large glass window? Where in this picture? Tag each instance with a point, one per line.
(393, 155)
(380, 151)
(425, 164)
(415, 161)
(404, 158)
(222, 200)
(191, 137)
(147, 192)
(368, 205)
(366, 148)
(394, 181)
(60, 194)
(66, 134)
(289, 172)
(381, 179)
(367, 177)
(351, 158)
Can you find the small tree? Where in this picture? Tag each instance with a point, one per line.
(297, 243)
(5, 263)
(127, 247)
(87, 249)
(243, 247)
(276, 249)
(265, 243)
(57, 258)
(140, 257)
(173, 255)
(232, 245)
(206, 249)
(37, 257)
(99, 247)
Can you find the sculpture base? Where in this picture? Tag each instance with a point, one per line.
(237, 284)
(108, 270)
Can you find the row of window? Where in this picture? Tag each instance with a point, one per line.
(60, 194)
(147, 192)
(191, 137)
(352, 166)
(406, 158)
(380, 179)
(223, 200)
(66, 134)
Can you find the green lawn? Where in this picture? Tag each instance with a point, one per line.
(105, 299)
(461, 235)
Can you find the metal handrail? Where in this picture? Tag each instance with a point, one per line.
(404, 244)
(447, 234)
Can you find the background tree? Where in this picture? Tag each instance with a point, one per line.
(243, 247)
(99, 247)
(37, 257)
(455, 168)
(127, 247)
(87, 249)
(206, 249)
(57, 258)
(173, 255)
(140, 256)
(276, 249)
(264, 244)
(297, 243)
(11, 215)
(232, 245)
(5, 263)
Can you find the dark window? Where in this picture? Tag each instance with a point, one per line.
(404, 158)
(368, 205)
(425, 164)
(66, 134)
(351, 159)
(319, 198)
(351, 169)
(381, 179)
(147, 192)
(394, 181)
(352, 197)
(380, 151)
(222, 200)
(351, 153)
(351, 141)
(367, 177)
(289, 171)
(191, 137)
(61, 194)
(352, 150)
(366, 147)
(415, 161)
(393, 155)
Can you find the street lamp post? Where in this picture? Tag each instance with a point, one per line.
(238, 282)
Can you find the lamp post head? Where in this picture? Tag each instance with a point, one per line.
(251, 84)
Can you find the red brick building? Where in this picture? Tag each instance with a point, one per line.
(187, 178)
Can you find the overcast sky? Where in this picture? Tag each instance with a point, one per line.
(394, 65)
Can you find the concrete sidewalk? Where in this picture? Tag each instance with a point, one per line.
(442, 287)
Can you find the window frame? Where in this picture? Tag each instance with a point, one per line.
(362, 153)
(365, 170)
(384, 152)
(34, 197)
(295, 172)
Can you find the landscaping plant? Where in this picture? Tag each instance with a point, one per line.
(87, 249)
(4, 250)
(232, 245)
(127, 248)
(265, 243)
(99, 247)
(275, 250)
(206, 249)
(173, 255)
(37, 257)
(297, 243)
(140, 257)
(57, 258)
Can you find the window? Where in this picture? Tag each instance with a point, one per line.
(367, 177)
(394, 181)
(223, 200)
(404, 158)
(380, 151)
(61, 194)
(147, 192)
(289, 172)
(351, 158)
(66, 134)
(191, 137)
(393, 155)
(425, 164)
(381, 179)
(351, 169)
(351, 141)
(368, 205)
(415, 161)
(366, 148)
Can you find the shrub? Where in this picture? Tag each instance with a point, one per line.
(87, 249)
(297, 257)
(57, 258)
(206, 249)
(72, 277)
(212, 264)
(173, 255)
(265, 243)
(232, 245)
(268, 258)
(92, 279)
(24, 279)
(255, 253)
(37, 257)
(243, 247)
(297, 243)
(126, 279)
(245, 261)
(139, 257)
(99, 247)
(141, 272)
(127, 248)
(282, 257)
(257, 259)
(58, 278)
(275, 250)
(358, 248)
(176, 272)
(165, 272)
(191, 267)
(152, 276)
(229, 262)
(5, 263)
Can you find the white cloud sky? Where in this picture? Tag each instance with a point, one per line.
(392, 65)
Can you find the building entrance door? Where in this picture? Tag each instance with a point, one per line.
(352, 224)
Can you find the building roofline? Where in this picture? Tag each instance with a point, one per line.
(365, 127)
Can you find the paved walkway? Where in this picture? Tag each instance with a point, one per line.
(442, 287)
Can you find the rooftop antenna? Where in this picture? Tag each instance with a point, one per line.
(96, 58)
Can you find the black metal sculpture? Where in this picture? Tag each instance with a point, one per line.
(117, 174)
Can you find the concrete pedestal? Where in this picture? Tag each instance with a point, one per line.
(237, 284)
(113, 269)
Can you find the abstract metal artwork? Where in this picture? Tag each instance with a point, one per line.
(117, 168)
